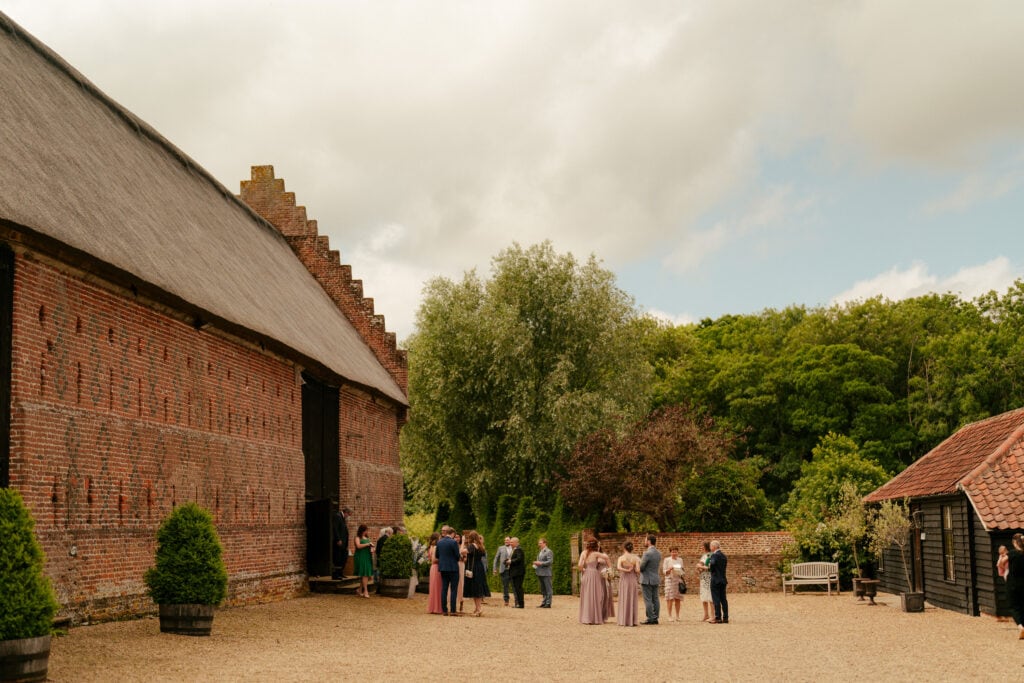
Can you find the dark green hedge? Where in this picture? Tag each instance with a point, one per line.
(27, 602)
(189, 564)
(395, 559)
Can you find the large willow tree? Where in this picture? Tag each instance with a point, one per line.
(506, 374)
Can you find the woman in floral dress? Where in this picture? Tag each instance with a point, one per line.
(705, 580)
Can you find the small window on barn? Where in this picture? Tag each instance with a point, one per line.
(948, 554)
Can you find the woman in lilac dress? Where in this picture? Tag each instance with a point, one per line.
(629, 577)
(593, 597)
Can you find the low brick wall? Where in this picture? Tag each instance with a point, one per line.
(754, 557)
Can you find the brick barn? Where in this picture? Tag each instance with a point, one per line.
(163, 340)
(966, 498)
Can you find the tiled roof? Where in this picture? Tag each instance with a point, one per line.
(984, 459)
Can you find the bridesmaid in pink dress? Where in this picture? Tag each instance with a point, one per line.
(434, 593)
(593, 587)
(629, 577)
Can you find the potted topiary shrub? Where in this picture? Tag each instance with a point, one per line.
(396, 566)
(27, 602)
(891, 525)
(189, 578)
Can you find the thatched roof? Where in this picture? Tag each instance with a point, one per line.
(984, 459)
(78, 169)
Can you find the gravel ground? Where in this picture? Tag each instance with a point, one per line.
(807, 637)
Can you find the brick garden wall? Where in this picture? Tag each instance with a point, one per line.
(754, 557)
(120, 412)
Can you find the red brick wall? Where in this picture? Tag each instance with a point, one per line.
(371, 479)
(119, 412)
(266, 195)
(754, 557)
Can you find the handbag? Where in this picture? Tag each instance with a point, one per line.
(682, 585)
(469, 573)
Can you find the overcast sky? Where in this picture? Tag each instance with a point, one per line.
(719, 157)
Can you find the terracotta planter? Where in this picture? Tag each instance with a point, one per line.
(24, 659)
(186, 620)
(912, 602)
(394, 588)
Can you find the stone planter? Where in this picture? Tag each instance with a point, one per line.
(912, 602)
(24, 659)
(394, 588)
(186, 620)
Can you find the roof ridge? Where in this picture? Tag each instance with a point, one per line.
(996, 455)
(141, 127)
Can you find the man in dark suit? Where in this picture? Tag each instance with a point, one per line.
(447, 553)
(339, 549)
(716, 565)
(516, 572)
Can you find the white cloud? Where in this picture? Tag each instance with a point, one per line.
(979, 187)
(608, 127)
(968, 282)
(674, 319)
(776, 210)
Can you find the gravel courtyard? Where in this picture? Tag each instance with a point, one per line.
(808, 637)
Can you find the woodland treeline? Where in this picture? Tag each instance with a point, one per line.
(544, 381)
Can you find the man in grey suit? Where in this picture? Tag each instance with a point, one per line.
(501, 560)
(650, 580)
(542, 565)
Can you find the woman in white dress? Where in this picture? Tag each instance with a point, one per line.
(673, 572)
(705, 580)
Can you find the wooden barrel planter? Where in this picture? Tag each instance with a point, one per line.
(24, 659)
(394, 588)
(186, 620)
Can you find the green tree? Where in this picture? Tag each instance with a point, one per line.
(505, 375)
(27, 602)
(641, 470)
(817, 496)
(723, 497)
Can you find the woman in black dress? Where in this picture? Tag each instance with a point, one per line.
(1015, 583)
(475, 585)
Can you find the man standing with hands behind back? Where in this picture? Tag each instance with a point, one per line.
(650, 580)
(516, 571)
(716, 565)
(542, 565)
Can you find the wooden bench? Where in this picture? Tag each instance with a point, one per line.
(812, 573)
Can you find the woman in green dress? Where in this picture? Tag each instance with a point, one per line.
(362, 560)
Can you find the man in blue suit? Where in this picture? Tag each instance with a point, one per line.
(448, 566)
(716, 565)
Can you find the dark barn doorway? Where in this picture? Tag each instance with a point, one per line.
(320, 406)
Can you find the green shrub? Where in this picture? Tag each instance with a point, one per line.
(395, 559)
(27, 602)
(189, 564)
